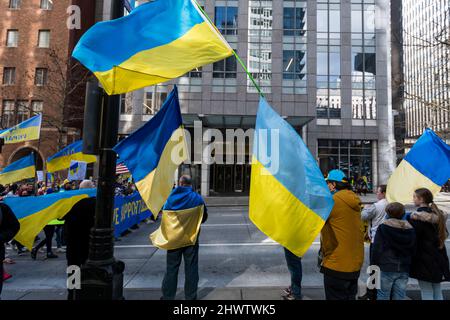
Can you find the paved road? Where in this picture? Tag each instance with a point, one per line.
(235, 257)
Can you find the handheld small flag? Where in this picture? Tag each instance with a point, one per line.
(50, 177)
(77, 170)
(62, 159)
(25, 131)
(23, 168)
(427, 165)
(34, 213)
(289, 199)
(154, 152)
(156, 42)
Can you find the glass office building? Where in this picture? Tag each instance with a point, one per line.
(323, 65)
(426, 34)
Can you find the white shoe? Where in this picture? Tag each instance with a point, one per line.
(60, 250)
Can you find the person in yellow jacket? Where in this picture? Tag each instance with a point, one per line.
(342, 241)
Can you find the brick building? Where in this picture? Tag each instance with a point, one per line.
(37, 74)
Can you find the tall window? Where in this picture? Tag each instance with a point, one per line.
(23, 111)
(153, 101)
(225, 68)
(8, 113)
(363, 60)
(14, 4)
(328, 59)
(44, 39)
(294, 18)
(12, 38)
(40, 78)
(354, 157)
(260, 44)
(226, 19)
(47, 4)
(37, 107)
(126, 106)
(9, 75)
(294, 47)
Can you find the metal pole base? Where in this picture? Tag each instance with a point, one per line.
(101, 279)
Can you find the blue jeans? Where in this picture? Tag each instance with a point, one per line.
(170, 281)
(294, 265)
(392, 286)
(430, 291)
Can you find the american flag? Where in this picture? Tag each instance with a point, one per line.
(121, 169)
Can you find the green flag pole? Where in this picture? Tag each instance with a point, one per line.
(234, 53)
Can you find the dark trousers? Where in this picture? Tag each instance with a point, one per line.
(170, 281)
(49, 232)
(340, 289)
(294, 265)
(2, 257)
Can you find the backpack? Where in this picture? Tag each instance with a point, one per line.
(9, 225)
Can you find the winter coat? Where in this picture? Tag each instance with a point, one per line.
(430, 263)
(394, 246)
(342, 237)
(9, 226)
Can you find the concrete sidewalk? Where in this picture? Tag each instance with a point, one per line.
(206, 293)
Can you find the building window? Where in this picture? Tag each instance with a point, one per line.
(8, 113)
(225, 69)
(260, 45)
(363, 60)
(328, 102)
(226, 19)
(47, 4)
(40, 78)
(9, 76)
(12, 38)
(23, 111)
(294, 18)
(196, 73)
(44, 39)
(126, 105)
(153, 102)
(353, 157)
(37, 107)
(14, 4)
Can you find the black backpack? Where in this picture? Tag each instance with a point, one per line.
(9, 225)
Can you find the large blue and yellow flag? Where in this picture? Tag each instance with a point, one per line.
(21, 169)
(25, 131)
(156, 42)
(62, 159)
(427, 165)
(34, 213)
(154, 152)
(289, 198)
(181, 220)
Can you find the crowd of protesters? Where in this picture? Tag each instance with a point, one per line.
(403, 244)
(71, 232)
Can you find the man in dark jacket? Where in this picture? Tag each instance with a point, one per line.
(9, 226)
(78, 224)
(392, 252)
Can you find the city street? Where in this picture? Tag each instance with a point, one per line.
(236, 262)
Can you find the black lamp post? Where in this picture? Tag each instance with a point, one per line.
(102, 275)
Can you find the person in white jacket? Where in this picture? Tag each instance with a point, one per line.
(374, 214)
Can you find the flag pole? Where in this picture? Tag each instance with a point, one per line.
(102, 274)
(249, 75)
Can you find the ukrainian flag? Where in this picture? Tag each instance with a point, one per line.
(156, 42)
(427, 165)
(154, 152)
(74, 168)
(181, 220)
(289, 199)
(23, 168)
(63, 158)
(50, 177)
(25, 131)
(34, 213)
